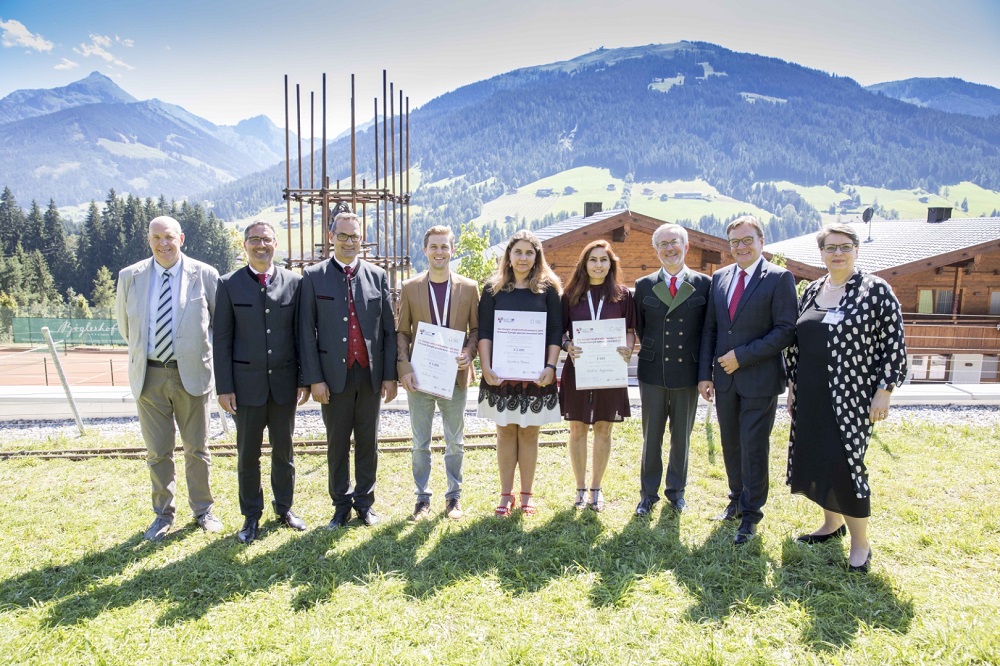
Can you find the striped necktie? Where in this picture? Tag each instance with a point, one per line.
(164, 349)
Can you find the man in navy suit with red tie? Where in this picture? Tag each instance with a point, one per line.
(257, 373)
(751, 318)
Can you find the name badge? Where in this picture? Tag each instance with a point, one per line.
(833, 317)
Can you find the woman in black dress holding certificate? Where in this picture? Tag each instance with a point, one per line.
(594, 292)
(523, 282)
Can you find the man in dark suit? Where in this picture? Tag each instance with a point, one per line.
(750, 320)
(257, 373)
(165, 310)
(347, 338)
(670, 306)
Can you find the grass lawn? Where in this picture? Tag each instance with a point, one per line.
(78, 585)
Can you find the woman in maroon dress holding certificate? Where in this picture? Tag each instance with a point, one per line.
(595, 291)
(522, 283)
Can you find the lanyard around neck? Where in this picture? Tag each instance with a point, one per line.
(600, 306)
(440, 316)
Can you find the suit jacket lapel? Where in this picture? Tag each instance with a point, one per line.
(142, 279)
(422, 308)
(684, 290)
(661, 291)
(752, 282)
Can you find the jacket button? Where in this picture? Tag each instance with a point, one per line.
(268, 372)
(268, 331)
(345, 339)
(345, 318)
(268, 351)
(267, 310)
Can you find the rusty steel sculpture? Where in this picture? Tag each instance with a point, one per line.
(384, 208)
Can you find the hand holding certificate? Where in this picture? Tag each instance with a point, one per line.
(519, 345)
(435, 358)
(599, 364)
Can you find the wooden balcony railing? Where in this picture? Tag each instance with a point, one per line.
(952, 334)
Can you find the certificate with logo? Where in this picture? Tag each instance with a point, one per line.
(435, 358)
(600, 365)
(519, 345)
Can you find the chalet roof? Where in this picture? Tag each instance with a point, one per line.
(898, 247)
(560, 229)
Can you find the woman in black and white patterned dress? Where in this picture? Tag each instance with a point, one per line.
(847, 357)
(523, 282)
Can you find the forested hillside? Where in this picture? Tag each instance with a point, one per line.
(662, 112)
(47, 266)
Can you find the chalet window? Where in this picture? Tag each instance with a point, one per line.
(928, 367)
(935, 301)
(995, 302)
(991, 367)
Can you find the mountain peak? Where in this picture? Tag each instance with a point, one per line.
(93, 89)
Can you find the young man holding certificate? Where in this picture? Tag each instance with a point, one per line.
(436, 336)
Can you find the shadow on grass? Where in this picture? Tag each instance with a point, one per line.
(837, 602)
(522, 555)
(64, 581)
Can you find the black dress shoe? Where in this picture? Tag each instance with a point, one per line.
(677, 505)
(745, 533)
(368, 516)
(645, 507)
(821, 538)
(861, 568)
(340, 518)
(731, 512)
(289, 519)
(249, 530)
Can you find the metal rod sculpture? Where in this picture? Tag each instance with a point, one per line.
(388, 201)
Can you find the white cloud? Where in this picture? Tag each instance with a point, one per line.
(98, 47)
(124, 41)
(67, 64)
(14, 33)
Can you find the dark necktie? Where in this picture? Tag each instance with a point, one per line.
(673, 286)
(262, 278)
(737, 293)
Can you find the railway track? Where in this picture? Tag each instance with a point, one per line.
(302, 447)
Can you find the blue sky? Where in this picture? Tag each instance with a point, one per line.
(225, 61)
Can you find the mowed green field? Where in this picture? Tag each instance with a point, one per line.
(79, 586)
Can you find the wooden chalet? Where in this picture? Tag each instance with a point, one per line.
(946, 274)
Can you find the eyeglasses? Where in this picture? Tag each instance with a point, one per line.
(736, 242)
(667, 245)
(261, 240)
(843, 248)
(343, 238)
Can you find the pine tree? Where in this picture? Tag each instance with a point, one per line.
(11, 222)
(103, 294)
(54, 248)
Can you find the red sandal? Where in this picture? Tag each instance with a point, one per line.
(527, 509)
(503, 510)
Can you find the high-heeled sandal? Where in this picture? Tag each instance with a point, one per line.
(596, 502)
(503, 510)
(527, 509)
(581, 499)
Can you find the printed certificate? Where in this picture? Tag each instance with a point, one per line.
(519, 345)
(600, 365)
(434, 358)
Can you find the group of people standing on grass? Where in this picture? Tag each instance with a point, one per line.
(739, 338)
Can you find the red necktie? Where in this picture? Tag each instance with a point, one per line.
(673, 286)
(262, 278)
(737, 293)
